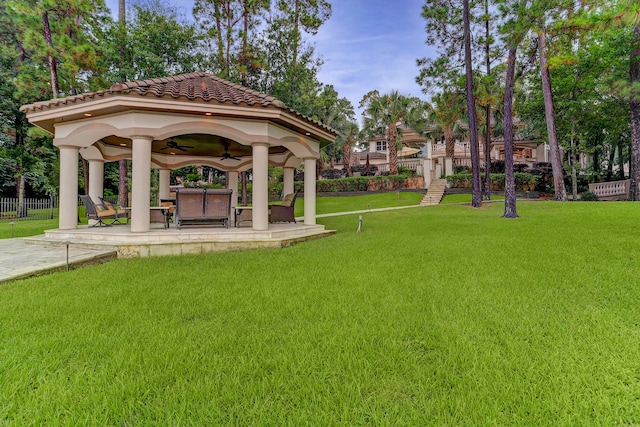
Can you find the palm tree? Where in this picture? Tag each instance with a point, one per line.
(349, 136)
(384, 113)
(448, 110)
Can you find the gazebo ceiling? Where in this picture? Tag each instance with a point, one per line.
(199, 145)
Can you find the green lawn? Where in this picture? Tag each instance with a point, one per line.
(443, 315)
(325, 205)
(25, 228)
(464, 198)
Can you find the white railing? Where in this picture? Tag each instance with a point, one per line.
(30, 209)
(411, 164)
(611, 190)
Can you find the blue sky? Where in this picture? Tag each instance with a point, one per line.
(366, 45)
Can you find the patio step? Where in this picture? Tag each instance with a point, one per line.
(435, 193)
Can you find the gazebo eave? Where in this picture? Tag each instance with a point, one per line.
(47, 116)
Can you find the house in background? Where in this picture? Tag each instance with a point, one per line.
(427, 156)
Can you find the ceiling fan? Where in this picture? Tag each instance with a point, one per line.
(171, 144)
(226, 154)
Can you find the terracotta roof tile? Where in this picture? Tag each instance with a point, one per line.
(192, 86)
(207, 87)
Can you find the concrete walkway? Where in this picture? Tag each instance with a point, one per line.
(20, 259)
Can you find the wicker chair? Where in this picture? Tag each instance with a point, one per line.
(284, 212)
(202, 207)
(98, 212)
(120, 212)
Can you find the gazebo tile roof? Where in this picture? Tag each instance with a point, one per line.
(191, 86)
(205, 86)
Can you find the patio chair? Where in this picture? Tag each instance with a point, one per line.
(163, 216)
(284, 212)
(98, 212)
(120, 212)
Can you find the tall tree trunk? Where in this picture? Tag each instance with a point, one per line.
(21, 209)
(476, 199)
(122, 24)
(509, 176)
(53, 67)
(574, 169)
(296, 45)
(346, 159)
(634, 161)
(393, 149)
(243, 179)
(85, 175)
(487, 141)
(123, 166)
(449, 143)
(612, 157)
(621, 161)
(554, 148)
(244, 55)
(123, 187)
(219, 36)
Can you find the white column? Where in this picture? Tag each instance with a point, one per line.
(164, 189)
(96, 182)
(310, 191)
(448, 166)
(68, 202)
(288, 187)
(426, 171)
(260, 194)
(96, 179)
(140, 183)
(233, 186)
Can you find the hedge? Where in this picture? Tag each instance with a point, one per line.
(524, 181)
(356, 183)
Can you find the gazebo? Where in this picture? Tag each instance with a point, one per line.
(170, 122)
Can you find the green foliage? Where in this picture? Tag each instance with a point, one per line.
(524, 181)
(357, 183)
(382, 115)
(155, 42)
(588, 196)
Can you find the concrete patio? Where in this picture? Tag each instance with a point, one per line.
(159, 241)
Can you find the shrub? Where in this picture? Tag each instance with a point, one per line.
(356, 183)
(524, 181)
(497, 166)
(332, 173)
(588, 196)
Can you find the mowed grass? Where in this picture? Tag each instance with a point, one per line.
(465, 198)
(325, 205)
(26, 228)
(443, 315)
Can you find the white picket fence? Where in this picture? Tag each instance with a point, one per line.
(30, 209)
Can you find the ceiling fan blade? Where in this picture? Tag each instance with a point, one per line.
(181, 148)
(187, 146)
(164, 148)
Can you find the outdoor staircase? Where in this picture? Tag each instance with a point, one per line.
(435, 192)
